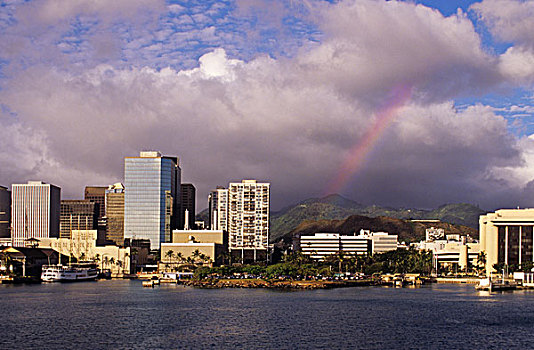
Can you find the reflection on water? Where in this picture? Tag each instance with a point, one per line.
(122, 314)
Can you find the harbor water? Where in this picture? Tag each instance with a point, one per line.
(121, 314)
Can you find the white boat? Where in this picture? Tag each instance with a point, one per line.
(72, 273)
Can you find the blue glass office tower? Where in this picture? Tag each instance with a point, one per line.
(151, 197)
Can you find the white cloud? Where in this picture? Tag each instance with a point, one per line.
(370, 46)
(508, 20)
(517, 65)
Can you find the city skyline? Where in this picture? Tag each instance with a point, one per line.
(311, 96)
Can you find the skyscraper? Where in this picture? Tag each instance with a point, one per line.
(35, 211)
(188, 199)
(248, 216)
(77, 215)
(115, 213)
(5, 212)
(218, 209)
(152, 197)
(97, 194)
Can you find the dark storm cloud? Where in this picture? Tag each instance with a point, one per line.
(290, 121)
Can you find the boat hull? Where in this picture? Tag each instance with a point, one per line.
(68, 274)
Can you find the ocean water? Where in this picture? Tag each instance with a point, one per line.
(121, 314)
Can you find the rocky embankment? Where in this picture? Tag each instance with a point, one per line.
(273, 284)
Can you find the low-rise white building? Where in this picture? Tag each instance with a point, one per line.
(380, 241)
(452, 251)
(433, 234)
(82, 246)
(321, 245)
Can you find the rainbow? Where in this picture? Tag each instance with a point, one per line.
(383, 118)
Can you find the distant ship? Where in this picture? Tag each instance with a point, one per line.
(73, 273)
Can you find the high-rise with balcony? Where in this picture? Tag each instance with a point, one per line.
(218, 209)
(35, 211)
(152, 197)
(248, 217)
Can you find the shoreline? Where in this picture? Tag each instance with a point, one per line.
(275, 284)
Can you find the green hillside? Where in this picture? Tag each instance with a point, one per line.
(336, 207)
(408, 231)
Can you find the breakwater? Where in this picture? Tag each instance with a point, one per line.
(275, 284)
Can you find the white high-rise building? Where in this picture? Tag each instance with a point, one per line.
(218, 209)
(248, 215)
(243, 211)
(35, 211)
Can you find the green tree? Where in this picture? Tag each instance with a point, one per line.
(169, 254)
(195, 255)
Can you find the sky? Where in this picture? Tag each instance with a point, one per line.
(396, 103)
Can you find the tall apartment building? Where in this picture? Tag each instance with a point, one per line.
(188, 202)
(152, 197)
(115, 213)
(218, 209)
(35, 210)
(248, 216)
(77, 215)
(5, 212)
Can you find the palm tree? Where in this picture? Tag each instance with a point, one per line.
(8, 261)
(205, 259)
(170, 254)
(481, 261)
(119, 264)
(224, 257)
(195, 255)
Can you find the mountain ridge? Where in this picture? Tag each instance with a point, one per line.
(337, 207)
(327, 208)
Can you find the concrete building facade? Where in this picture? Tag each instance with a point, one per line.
(5, 212)
(320, 245)
(188, 202)
(152, 197)
(188, 245)
(507, 236)
(97, 194)
(115, 213)
(77, 215)
(83, 246)
(248, 215)
(381, 242)
(218, 209)
(35, 211)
